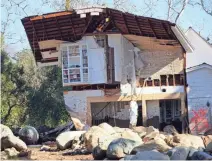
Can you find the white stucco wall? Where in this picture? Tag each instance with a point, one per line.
(199, 93)
(76, 102)
(126, 90)
(202, 51)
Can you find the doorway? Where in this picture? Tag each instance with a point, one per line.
(170, 114)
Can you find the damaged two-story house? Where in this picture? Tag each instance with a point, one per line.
(118, 67)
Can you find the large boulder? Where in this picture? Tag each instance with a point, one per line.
(151, 136)
(208, 132)
(128, 157)
(158, 144)
(65, 139)
(29, 135)
(150, 155)
(139, 129)
(129, 134)
(185, 140)
(13, 141)
(179, 153)
(11, 152)
(170, 129)
(91, 137)
(99, 152)
(120, 130)
(120, 147)
(151, 129)
(5, 131)
(200, 155)
(79, 126)
(107, 128)
(208, 143)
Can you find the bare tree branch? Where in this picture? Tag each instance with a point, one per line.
(185, 2)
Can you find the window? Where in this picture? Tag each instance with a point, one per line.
(75, 63)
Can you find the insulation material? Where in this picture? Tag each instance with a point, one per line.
(139, 63)
(153, 109)
(128, 66)
(133, 113)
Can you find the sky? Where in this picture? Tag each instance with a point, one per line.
(193, 16)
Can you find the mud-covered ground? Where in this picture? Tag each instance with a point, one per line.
(36, 154)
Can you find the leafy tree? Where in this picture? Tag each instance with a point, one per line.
(13, 91)
(46, 105)
(31, 95)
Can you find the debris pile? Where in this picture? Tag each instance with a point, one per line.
(114, 143)
(11, 145)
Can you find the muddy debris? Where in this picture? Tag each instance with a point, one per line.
(105, 142)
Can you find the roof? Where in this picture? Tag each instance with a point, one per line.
(200, 66)
(73, 25)
(191, 29)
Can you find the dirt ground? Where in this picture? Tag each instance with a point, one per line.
(36, 154)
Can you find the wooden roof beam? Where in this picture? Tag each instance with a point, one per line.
(152, 28)
(89, 22)
(34, 34)
(139, 28)
(58, 28)
(162, 24)
(73, 29)
(125, 23)
(44, 29)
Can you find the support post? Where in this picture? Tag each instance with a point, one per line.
(133, 113)
(144, 113)
(183, 114)
(88, 114)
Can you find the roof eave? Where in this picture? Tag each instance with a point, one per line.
(182, 39)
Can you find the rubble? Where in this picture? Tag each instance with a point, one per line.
(8, 140)
(67, 139)
(208, 143)
(149, 155)
(106, 142)
(179, 153)
(185, 140)
(170, 129)
(120, 147)
(10, 153)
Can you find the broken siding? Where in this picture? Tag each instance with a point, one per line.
(199, 94)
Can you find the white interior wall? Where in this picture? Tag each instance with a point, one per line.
(199, 93)
(114, 41)
(126, 90)
(96, 60)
